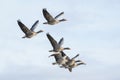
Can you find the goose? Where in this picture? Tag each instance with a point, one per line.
(29, 33)
(74, 63)
(60, 58)
(71, 63)
(57, 47)
(50, 19)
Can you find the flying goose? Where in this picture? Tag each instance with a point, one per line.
(60, 59)
(74, 63)
(29, 33)
(50, 19)
(57, 47)
(71, 63)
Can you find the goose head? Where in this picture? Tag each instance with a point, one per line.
(39, 31)
(62, 20)
(67, 48)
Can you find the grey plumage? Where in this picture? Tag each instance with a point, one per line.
(50, 19)
(60, 58)
(29, 33)
(71, 63)
(57, 47)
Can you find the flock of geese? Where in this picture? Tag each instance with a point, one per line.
(61, 58)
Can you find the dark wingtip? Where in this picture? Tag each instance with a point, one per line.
(62, 12)
(37, 21)
(48, 36)
(44, 9)
(47, 33)
(77, 54)
(62, 38)
(18, 20)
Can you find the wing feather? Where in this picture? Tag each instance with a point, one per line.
(61, 42)
(34, 25)
(23, 27)
(47, 15)
(52, 40)
(59, 15)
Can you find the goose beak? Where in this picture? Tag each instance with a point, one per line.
(41, 31)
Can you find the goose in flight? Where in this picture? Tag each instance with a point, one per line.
(61, 58)
(50, 19)
(74, 63)
(29, 33)
(71, 63)
(57, 47)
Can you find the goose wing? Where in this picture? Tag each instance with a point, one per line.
(34, 25)
(47, 15)
(52, 40)
(75, 56)
(23, 27)
(61, 42)
(59, 15)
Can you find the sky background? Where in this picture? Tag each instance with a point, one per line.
(92, 30)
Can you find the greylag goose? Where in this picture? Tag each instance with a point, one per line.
(61, 58)
(50, 19)
(57, 47)
(74, 63)
(29, 33)
(71, 63)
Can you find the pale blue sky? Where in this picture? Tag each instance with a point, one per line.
(92, 30)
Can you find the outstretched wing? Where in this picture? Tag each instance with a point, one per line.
(75, 56)
(47, 15)
(23, 27)
(34, 25)
(52, 40)
(61, 42)
(59, 15)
